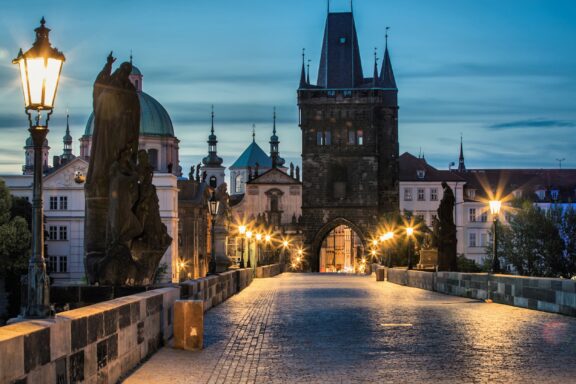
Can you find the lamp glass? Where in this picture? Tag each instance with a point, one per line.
(242, 229)
(249, 234)
(495, 206)
(409, 231)
(258, 236)
(23, 78)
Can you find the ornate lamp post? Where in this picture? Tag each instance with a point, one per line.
(242, 231)
(40, 69)
(267, 239)
(249, 237)
(285, 245)
(213, 206)
(258, 240)
(388, 236)
(409, 234)
(495, 211)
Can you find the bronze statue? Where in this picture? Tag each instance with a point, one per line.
(124, 236)
(447, 260)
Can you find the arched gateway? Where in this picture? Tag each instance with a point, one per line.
(338, 247)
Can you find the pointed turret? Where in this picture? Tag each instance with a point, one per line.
(387, 79)
(303, 82)
(375, 79)
(67, 141)
(212, 160)
(277, 161)
(461, 166)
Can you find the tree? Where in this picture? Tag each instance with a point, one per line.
(568, 233)
(15, 237)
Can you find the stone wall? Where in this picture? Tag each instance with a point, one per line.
(269, 270)
(97, 343)
(215, 289)
(544, 294)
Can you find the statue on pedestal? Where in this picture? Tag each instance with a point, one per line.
(124, 236)
(446, 238)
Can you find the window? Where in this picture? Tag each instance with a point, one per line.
(323, 138)
(213, 182)
(64, 202)
(63, 265)
(434, 194)
(472, 240)
(471, 193)
(359, 137)
(484, 217)
(347, 93)
(53, 202)
(554, 194)
(52, 232)
(239, 187)
(472, 216)
(421, 194)
(63, 233)
(153, 158)
(483, 239)
(420, 173)
(331, 93)
(327, 138)
(351, 137)
(342, 40)
(319, 138)
(407, 194)
(51, 264)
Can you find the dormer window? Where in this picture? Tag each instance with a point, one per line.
(421, 173)
(471, 193)
(554, 194)
(541, 194)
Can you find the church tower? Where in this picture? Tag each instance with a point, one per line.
(349, 127)
(277, 161)
(212, 164)
(67, 154)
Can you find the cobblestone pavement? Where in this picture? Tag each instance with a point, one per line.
(311, 328)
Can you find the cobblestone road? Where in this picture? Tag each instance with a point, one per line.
(310, 328)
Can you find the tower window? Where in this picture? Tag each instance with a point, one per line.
(351, 137)
(327, 138)
(239, 187)
(213, 182)
(359, 137)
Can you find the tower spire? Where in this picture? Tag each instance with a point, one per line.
(212, 160)
(274, 122)
(375, 76)
(253, 132)
(212, 118)
(308, 72)
(387, 78)
(277, 161)
(303, 72)
(461, 166)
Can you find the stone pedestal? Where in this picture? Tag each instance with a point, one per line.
(189, 324)
(380, 273)
(428, 259)
(223, 262)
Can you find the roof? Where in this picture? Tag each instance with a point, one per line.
(411, 168)
(273, 176)
(135, 71)
(340, 64)
(252, 155)
(387, 79)
(154, 119)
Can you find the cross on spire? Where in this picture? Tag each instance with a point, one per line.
(253, 132)
(212, 118)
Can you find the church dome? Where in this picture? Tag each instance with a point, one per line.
(135, 71)
(154, 119)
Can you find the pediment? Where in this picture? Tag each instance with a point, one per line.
(67, 175)
(274, 176)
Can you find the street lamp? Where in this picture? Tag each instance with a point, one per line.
(242, 231)
(495, 206)
(249, 237)
(409, 234)
(258, 240)
(40, 69)
(213, 206)
(389, 236)
(285, 245)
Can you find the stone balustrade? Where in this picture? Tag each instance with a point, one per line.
(269, 270)
(544, 294)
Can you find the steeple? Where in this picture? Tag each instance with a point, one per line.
(375, 76)
(461, 166)
(340, 64)
(253, 132)
(303, 82)
(212, 160)
(387, 74)
(277, 161)
(67, 141)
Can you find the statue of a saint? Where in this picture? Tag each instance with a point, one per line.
(447, 260)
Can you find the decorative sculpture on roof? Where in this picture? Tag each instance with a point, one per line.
(124, 236)
(447, 260)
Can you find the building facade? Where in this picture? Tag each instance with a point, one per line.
(349, 127)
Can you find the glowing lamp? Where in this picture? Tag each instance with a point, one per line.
(267, 238)
(40, 69)
(285, 243)
(249, 235)
(258, 236)
(495, 206)
(409, 231)
(242, 229)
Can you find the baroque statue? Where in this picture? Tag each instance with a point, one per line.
(446, 231)
(124, 235)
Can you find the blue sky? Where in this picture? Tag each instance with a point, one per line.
(501, 73)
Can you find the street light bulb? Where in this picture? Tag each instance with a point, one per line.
(374, 242)
(409, 231)
(300, 252)
(382, 238)
(285, 243)
(258, 236)
(242, 229)
(389, 235)
(267, 238)
(495, 206)
(249, 234)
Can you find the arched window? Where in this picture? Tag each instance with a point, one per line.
(153, 158)
(239, 184)
(213, 182)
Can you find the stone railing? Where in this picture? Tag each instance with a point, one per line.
(97, 343)
(215, 289)
(102, 342)
(269, 270)
(544, 294)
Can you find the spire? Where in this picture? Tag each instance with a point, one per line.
(277, 161)
(308, 72)
(253, 132)
(303, 72)
(387, 74)
(212, 160)
(67, 141)
(130, 57)
(461, 166)
(375, 76)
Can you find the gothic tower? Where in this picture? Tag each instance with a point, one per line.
(277, 161)
(349, 127)
(212, 164)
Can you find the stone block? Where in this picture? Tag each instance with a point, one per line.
(110, 322)
(124, 316)
(60, 343)
(12, 355)
(95, 327)
(380, 274)
(44, 374)
(90, 360)
(79, 333)
(76, 367)
(36, 349)
(188, 324)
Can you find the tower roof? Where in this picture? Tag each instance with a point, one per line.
(387, 79)
(340, 64)
(252, 155)
(461, 165)
(212, 160)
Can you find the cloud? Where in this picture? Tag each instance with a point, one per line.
(534, 123)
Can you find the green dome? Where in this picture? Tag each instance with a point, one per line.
(154, 120)
(135, 71)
